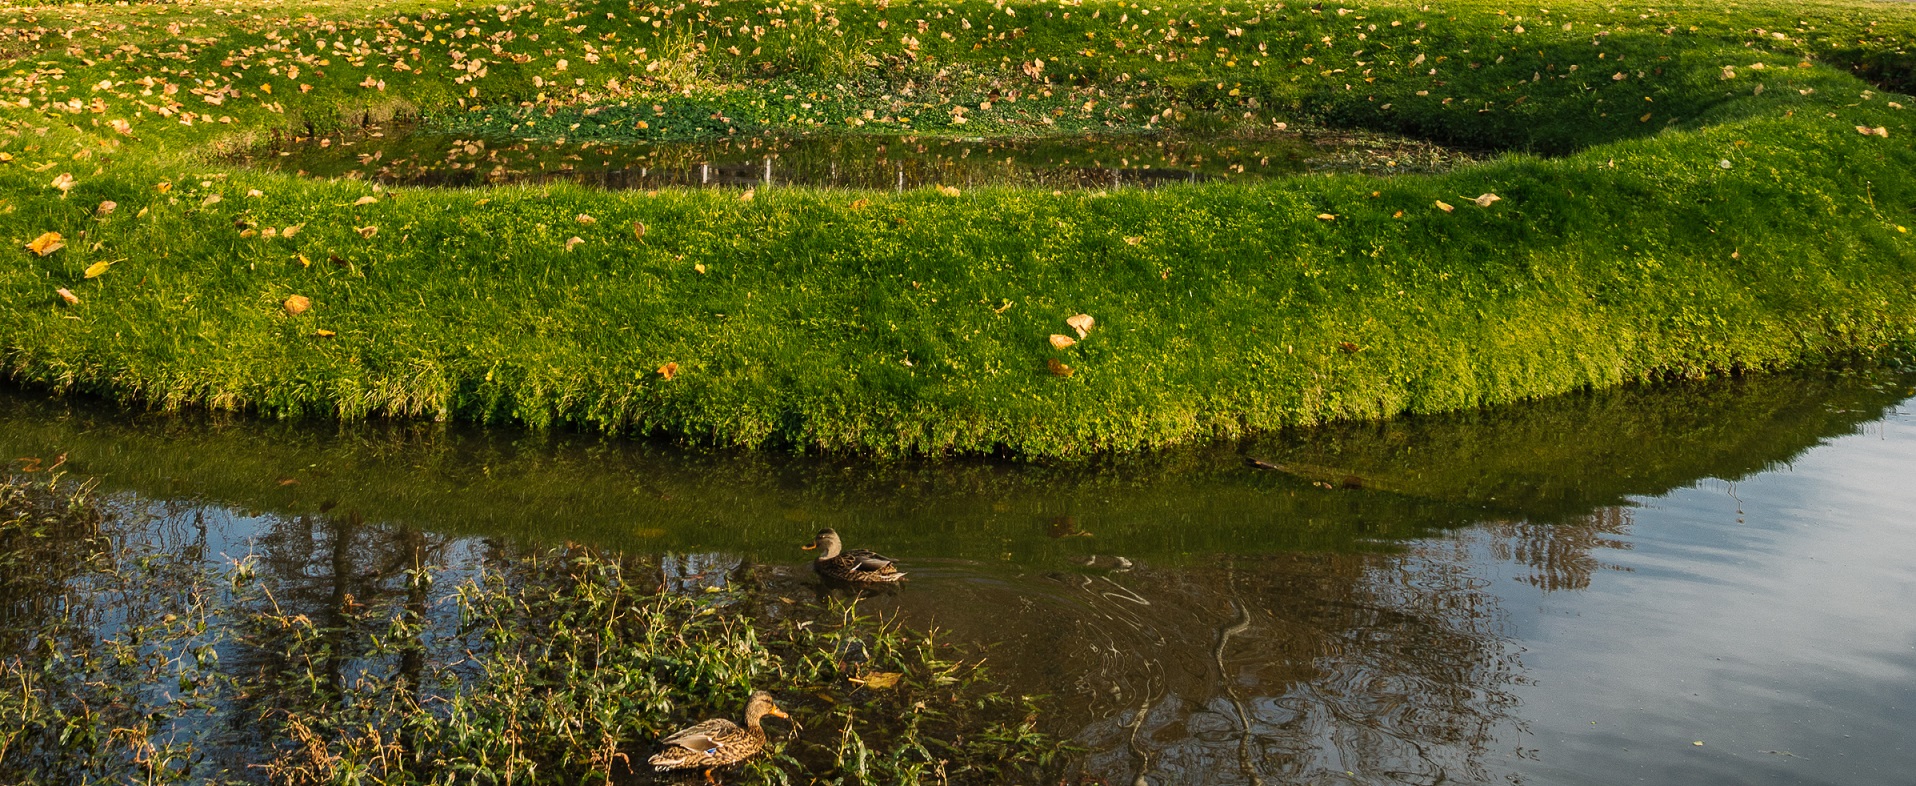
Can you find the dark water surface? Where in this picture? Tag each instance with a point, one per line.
(1575, 591)
(414, 157)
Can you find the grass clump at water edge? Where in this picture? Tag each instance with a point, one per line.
(140, 663)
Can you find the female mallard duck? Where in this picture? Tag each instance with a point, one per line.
(858, 566)
(718, 742)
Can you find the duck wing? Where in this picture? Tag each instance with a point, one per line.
(707, 738)
(866, 561)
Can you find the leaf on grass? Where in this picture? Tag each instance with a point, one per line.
(948, 191)
(1486, 200)
(255, 193)
(1326, 217)
(211, 200)
(163, 187)
(304, 262)
(585, 219)
(365, 200)
(366, 231)
(638, 229)
(699, 267)
(880, 679)
(1445, 206)
(106, 208)
(1880, 131)
(1134, 240)
(1059, 369)
(291, 230)
(64, 182)
(1062, 342)
(669, 371)
(47, 244)
(97, 269)
(747, 196)
(573, 241)
(297, 304)
(860, 204)
(322, 333)
(68, 296)
(1349, 348)
(1081, 323)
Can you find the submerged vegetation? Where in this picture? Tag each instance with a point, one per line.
(150, 662)
(1721, 194)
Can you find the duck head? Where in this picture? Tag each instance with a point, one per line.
(826, 543)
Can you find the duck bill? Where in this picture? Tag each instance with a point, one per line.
(810, 546)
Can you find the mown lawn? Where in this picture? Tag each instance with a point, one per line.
(1688, 190)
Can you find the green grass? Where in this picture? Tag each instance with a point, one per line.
(1660, 217)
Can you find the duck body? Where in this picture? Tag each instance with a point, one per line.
(856, 566)
(718, 742)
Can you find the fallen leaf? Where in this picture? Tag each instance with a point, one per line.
(1486, 200)
(1081, 323)
(304, 262)
(211, 200)
(948, 191)
(1865, 130)
(860, 204)
(747, 196)
(106, 208)
(585, 219)
(291, 230)
(64, 182)
(638, 229)
(46, 244)
(324, 333)
(120, 126)
(366, 231)
(669, 371)
(699, 267)
(573, 241)
(1326, 217)
(1062, 342)
(1349, 347)
(880, 679)
(297, 304)
(365, 200)
(1132, 241)
(68, 296)
(163, 187)
(254, 192)
(1445, 206)
(1880, 131)
(97, 269)
(1059, 369)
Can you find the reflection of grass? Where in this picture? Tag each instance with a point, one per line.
(555, 664)
(1692, 223)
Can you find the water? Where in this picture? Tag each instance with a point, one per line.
(1574, 591)
(414, 157)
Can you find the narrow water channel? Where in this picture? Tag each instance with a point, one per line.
(1689, 584)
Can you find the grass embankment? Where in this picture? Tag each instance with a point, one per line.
(130, 662)
(1714, 208)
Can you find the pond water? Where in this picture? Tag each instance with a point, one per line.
(1689, 584)
(416, 157)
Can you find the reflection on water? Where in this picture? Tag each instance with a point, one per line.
(1421, 601)
(402, 156)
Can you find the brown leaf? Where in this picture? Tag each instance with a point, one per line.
(1083, 323)
(1486, 200)
(365, 200)
(106, 208)
(948, 191)
(1062, 342)
(64, 182)
(1445, 206)
(573, 241)
(585, 219)
(68, 296)
(860, 204)
(669, 371)
(638, 229)
(1349, 347)
(297, 304)
(46, 244)
(367, 231)
(880, 679)
(1059, 369)
(747, 196)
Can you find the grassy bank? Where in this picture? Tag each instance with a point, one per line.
(130, 658)
(1707, 205)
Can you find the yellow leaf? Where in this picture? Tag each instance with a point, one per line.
(585, 219)
(1059, 369)
(297, 304)
(97, 269)
(1132, 241)
(64, 182)
(68, 296)
(46, 244)
(1326, 217)
(291, 230)
(1486, 200)
(573, 241)
(948, 191)
(1081, 323)
(747, 196)
(700, 267)
(1445, 206)
(365, 200)
(324, 333)
(860, 204)
(106, 208)
(1062, 342)
(304, 262)
(880, 679)
(669, 371)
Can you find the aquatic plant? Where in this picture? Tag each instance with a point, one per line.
(524, 664)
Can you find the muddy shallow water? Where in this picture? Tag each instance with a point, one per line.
(1696, 584)
(419, 157)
